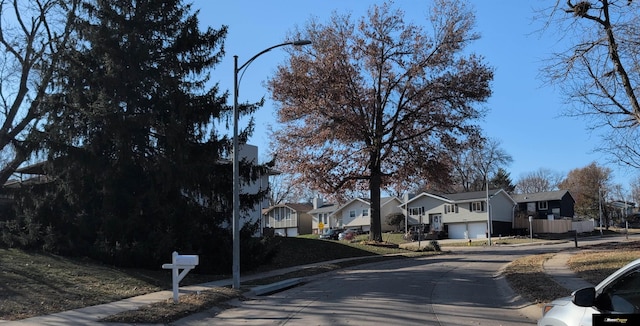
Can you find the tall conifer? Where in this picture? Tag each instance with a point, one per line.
(138, 160)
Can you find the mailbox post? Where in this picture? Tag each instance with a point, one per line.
(180, 262)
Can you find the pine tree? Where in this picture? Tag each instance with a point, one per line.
(502, 180)
(133, 138)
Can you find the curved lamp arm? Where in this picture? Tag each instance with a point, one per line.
(296, 43)
(244, 65)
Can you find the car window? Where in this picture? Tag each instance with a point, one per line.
(622, 295)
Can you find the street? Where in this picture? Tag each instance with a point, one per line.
(461, 288)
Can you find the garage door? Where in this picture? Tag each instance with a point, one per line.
(477, 230)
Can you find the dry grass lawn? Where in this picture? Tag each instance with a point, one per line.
(527, 277)
(592, 263)
(595, 263)
(167, 311)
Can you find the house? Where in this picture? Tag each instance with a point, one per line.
(321, 216)
(550, 205)
(549, 212)
(462, 215)
(356, 213)
(621, 210)
(249, 153)
(290, 220)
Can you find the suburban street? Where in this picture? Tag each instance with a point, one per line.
(461, 288)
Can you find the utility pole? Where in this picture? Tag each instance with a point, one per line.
(600, 209)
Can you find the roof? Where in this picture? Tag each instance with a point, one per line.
(383, 201)
(326, 208)
(463, 197)
(541, 196)
(297, 207)
(473, 195)
(37, 168)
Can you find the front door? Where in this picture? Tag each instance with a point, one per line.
(435, 220)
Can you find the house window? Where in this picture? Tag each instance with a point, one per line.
(543, 205)
(477, 206)
(281, 213)
(450, 208)
(414, 211)
(352, 214)
(365, 212)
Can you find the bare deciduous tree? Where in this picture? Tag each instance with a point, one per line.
(478, 163)
(284, 189)
(599, 74)
(32, 34)
(375, 103)
(541, 180)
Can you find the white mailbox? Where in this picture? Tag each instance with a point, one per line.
(180, 262)
(186, 260)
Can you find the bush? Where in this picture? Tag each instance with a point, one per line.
(435, 245)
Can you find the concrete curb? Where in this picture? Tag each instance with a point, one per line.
(276, 287)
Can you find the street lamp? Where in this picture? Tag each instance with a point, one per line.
(488, 212)
(236, 169)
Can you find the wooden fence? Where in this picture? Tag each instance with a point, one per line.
(553, 226)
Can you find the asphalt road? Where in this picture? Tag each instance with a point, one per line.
(462, 288)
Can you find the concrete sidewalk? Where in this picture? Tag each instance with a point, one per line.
(556, 267)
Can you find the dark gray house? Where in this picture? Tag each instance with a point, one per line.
(546, 205)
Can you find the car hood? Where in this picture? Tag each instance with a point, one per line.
(561, 301)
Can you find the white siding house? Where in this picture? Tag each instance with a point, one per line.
(462, 215)
(356, 213)
(322, 215)
(289, 219)
(425, 210)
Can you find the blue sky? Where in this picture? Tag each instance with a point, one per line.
(524, 114)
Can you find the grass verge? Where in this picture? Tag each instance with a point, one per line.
(526, 275)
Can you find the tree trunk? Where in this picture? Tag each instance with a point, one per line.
(374, 188)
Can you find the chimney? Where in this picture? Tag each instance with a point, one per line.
(407, 196)
(317, 202)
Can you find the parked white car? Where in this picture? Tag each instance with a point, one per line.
(615, 301)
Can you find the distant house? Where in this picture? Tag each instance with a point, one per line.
(462, 215)
(549, 205)
(622, 209)
(288, 220)
(549, 212)
(321, 216)
(356, 213)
